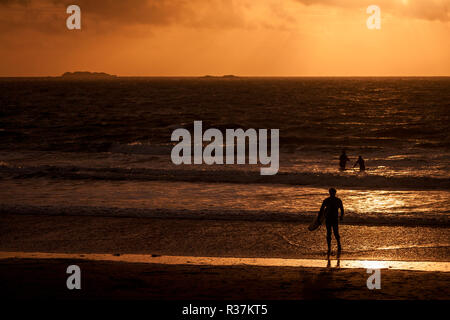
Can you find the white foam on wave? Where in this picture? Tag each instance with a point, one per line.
(226, 175)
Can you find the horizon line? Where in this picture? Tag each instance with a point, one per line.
(244, 76)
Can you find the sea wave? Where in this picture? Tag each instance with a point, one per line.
(366, 181)
(411, 219)
(140, 148)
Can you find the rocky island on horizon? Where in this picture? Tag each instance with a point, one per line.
(87, 75)
(226, 76)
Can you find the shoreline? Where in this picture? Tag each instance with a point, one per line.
(246, 216)
(216, 238)
(333, 262)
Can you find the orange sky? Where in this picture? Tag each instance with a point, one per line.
(247, 37)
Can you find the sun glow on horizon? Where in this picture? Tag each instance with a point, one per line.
(264, 38)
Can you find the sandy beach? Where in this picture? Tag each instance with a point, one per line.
(45, 278)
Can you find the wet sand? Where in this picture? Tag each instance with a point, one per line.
(46, 278)
(331, 262)
(216, 238)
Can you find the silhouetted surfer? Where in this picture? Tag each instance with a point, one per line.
(343, 160)
(333, 204)
(360, 161)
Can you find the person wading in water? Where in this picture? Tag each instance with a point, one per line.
(362, 165)
(343, 160)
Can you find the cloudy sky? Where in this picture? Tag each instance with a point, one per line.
(242, 37)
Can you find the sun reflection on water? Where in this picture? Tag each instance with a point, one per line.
(377, 201)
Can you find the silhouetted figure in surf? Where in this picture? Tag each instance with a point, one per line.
(343, 160)
(360, 161)
(332, 204)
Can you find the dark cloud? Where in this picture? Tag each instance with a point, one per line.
(131, 11)
(120, 13)
(102, 16)
(421, 9)
(10, 2)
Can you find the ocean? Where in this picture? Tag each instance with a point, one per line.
(102, 147)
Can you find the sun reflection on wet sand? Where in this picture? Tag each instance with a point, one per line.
(229, 261)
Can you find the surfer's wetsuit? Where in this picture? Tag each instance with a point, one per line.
(343, 160)
(360, 161)
(333, 204)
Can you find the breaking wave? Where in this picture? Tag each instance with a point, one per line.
(224, 214)
(226, 176)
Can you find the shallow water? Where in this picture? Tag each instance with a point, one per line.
(226, 200)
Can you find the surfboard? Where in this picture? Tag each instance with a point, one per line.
(317, 222)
